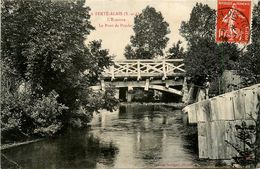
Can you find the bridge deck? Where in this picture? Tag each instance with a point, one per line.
(147, 74)
(145, 68)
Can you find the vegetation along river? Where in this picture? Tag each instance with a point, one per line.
(135, 136)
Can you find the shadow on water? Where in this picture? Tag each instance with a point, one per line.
(191, 139)
(142, 136)
(136, 111)
(76, 149)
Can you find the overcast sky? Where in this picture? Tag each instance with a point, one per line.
(116, 38)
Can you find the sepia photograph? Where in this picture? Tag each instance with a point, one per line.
(130, 84)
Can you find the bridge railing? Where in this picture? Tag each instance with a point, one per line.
(145, 68)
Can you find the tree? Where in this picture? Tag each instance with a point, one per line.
(250, 62)
(129, 52)
(176, 51)
(205, 58)
(150, 35)
(199, 33)
(43, 45)
(201, 61)
(201, 25)
(250, 67)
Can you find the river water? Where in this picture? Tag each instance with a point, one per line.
(135, 136)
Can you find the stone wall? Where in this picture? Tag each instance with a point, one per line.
(216, 119)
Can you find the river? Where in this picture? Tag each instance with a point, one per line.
(135, 136)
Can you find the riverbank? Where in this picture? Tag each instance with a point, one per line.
(16, 144)
(10, 163)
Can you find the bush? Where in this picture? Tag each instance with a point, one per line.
(45, 114)
(11, 113)
(96, 101)
(23, 114)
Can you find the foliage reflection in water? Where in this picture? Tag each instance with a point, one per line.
(134, 136)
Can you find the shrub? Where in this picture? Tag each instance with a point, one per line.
(23, 114)
(45, 113)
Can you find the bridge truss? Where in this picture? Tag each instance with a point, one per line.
(145, 68)
(162, 75)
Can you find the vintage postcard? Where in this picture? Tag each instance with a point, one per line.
(99, 84)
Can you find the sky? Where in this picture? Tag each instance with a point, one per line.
(113, 19)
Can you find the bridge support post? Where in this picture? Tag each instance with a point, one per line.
(112, 73)
(129, 93)
(129, 96)
(164, 71)
(185, 91)
(117, 95)
(138, 70)
(191, 92)
(103, 85)
(167, 84)
(146, 85)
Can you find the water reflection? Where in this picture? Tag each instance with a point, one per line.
(134, 136)
(148, 137)
(75, 150)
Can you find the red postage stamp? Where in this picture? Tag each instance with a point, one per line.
(233, 21)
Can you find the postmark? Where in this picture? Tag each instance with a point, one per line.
(233, 21)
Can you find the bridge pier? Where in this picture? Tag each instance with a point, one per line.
(117, 95)
(129, 96)
(185, 91)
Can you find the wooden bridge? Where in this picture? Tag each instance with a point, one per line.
(163, 75)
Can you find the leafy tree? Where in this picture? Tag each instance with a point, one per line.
(150, 35)
(24, 116)
(202, 62)
(43, 45)
(201, 25)
(205, 58)
(250, 62)
(176, 51)
(199, 34)
(11, 114)
(129, 52)
(45, 113)
(98, 59)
